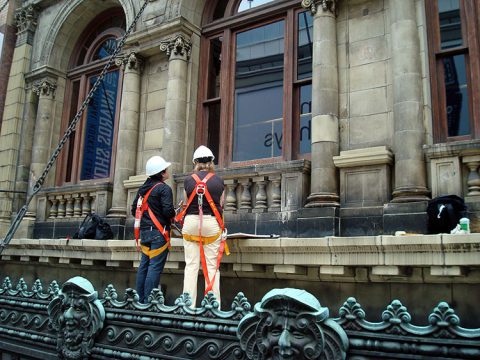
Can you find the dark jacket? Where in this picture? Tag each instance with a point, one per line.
(160, 202)
(215, 187)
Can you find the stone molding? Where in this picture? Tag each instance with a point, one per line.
(45, 88)
(327, 258)
(326, 5)
(363, 157)
(177, 45)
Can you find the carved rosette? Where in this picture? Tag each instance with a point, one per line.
(178, 45)
(130, 62)
(290, 323)
(325, 5)
(45, 88)
(26, 19)
(77, 315)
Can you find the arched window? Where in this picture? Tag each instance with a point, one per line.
(89, 154)
(256, 104)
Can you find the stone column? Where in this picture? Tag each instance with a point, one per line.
(409, 135)
(127, 134)
(45, 90)
(178, 49)
(325, 133)
(26, 21)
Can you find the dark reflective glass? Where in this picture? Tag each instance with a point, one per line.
(106, 49)
(305, 45)
(99, 129)
(213, 130)
(258, 116)
(214, 70)
(458, 116)
(450, 23)
(305, 119)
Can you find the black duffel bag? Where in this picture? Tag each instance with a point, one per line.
(93, 227)
(444, 212)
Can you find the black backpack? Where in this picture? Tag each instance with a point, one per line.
(444, 212)
(93, 227)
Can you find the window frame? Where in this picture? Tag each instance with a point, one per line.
(82, 73)
(469, 11)
(227, 28)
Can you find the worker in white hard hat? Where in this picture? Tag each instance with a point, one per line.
(153, 210)
(203, 224)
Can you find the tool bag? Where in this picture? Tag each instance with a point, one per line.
(444, 212)
(93, 227)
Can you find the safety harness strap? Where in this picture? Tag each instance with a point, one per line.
(142, 206)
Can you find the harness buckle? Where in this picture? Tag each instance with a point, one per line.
(200, 190)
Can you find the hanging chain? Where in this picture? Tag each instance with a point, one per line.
(39, 183)
(3, 6)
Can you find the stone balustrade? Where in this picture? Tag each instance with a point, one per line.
(73, 202)
(263, 187)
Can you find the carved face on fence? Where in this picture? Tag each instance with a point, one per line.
(77, 315)
(284, 325)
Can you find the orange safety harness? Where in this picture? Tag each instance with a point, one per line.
(142, 206)
(201, 190)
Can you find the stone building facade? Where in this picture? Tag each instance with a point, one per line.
(331, 118)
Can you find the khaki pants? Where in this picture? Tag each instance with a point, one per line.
(210, 228)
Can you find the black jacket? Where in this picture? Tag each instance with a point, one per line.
(160, 202)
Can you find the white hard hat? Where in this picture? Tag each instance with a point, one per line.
(155, 165)
(203, 153)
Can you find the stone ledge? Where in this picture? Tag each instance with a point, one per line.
(331, 253)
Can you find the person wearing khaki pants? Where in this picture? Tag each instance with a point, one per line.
(208, 227)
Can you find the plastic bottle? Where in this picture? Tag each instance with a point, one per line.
(465, 225)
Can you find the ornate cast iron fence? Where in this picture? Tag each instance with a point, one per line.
(74, 323)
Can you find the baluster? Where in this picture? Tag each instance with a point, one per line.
(85, 204)
(77, 206)
(61, 206)
(69, 206)
(261, 195)
(231, 197)
(246, 198)
(93, 202)
(276, 193)
(473, 179)
(54, 208)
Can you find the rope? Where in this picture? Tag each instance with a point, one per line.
(39, 183)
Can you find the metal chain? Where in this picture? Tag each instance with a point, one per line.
(3, 6)
(38, 184)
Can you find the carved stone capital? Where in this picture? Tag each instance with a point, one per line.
(130, 62)
(325, 5)
(177, 45)
(45, 87)
(26, 18)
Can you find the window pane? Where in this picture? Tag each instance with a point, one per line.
(213, 130)
(214, 69)
(305, 119)
(106, 49)
(304, 50)
(258, 117)
(99, 129)
(71, 141)
(450, 23)
(248, 4)
(456, 95)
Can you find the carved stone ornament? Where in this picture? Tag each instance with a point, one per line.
(44, 88)
(26, 18)
(327, 5)
(177, 45)
(291, 324)
(130, 61)
(77, 316)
